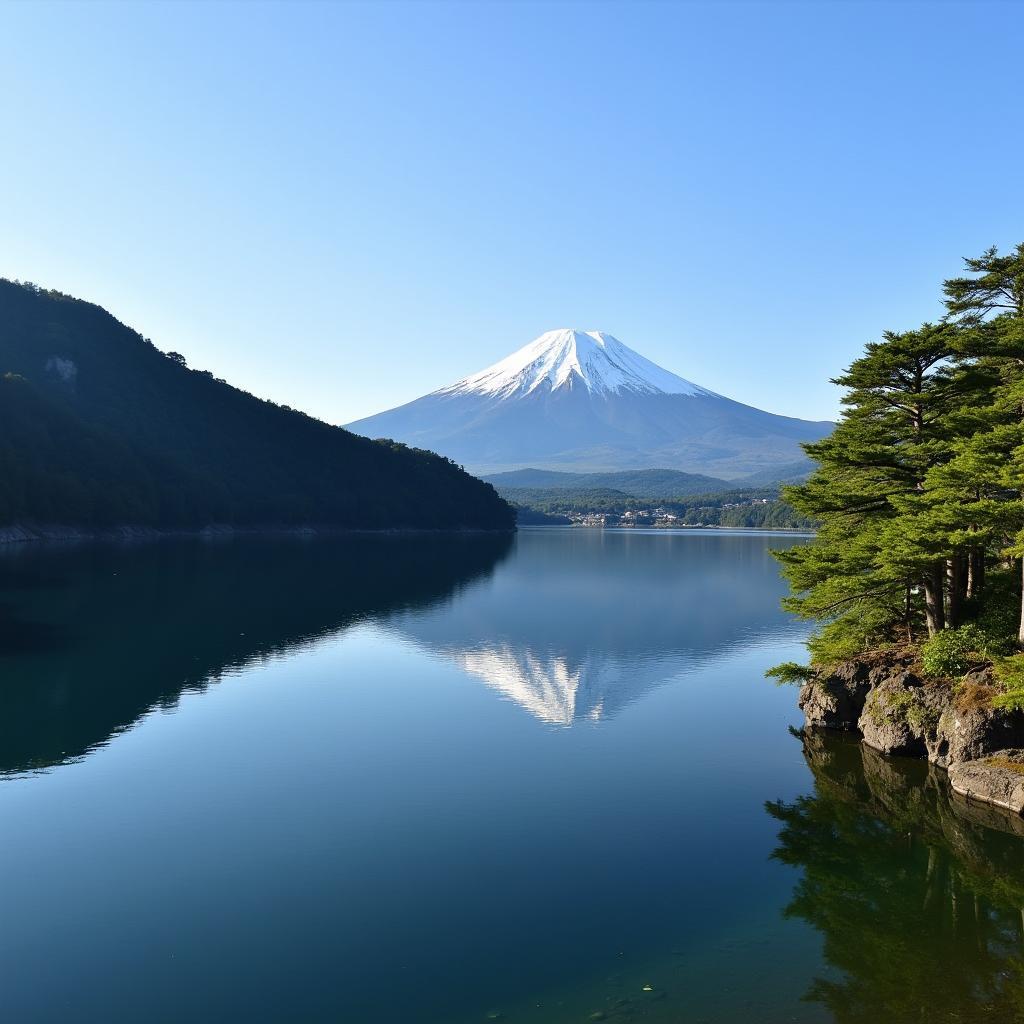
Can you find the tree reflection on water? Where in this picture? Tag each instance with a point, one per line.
(919, 896)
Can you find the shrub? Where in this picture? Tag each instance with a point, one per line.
(999, 623)
(952, 651)
(1010, 673)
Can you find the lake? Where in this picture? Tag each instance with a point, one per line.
(424, 779)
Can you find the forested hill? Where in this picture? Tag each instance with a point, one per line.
(100, 428)
(645, 483)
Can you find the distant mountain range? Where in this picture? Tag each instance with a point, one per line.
(645, 483)
(98, 428)
(583, 401)
(652, 483)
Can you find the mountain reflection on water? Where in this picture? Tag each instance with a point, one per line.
(353, 828)
(576, 626)
(350, 827)
(581, 623)
(93, 637)
(919, 895)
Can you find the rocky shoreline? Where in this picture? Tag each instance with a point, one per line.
(896, 709)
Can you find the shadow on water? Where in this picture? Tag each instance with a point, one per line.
(94, 637)
(919, 896)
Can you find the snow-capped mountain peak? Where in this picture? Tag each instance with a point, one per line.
(571, 358)
(582, 401)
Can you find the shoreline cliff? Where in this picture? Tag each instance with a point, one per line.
(896, 708)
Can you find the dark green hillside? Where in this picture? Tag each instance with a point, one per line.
(98, 427)
(584, 498)
(80, 622)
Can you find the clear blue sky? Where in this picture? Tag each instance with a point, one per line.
(344, 206)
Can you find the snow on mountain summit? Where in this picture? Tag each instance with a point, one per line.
(582, 401)
(570, 358)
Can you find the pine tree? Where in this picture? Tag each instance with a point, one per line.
(920, 489)
(877, 549)
(989, 304)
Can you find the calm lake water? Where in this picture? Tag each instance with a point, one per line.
(534, 779)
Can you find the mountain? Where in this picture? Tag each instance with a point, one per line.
(793, 473)
(99, 428)
(641, 483)
(584, 401)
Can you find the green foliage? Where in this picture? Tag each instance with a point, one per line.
(999, 615)
(900, 701)
(952, 651)
(844, 638)
(836, 642)
(99, 428)
(922, 718)
(1010, 676)
(919, 491)
(790, 673)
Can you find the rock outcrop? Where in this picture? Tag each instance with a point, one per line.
(997, 780)
(900, 715)
(835, 700)
(896, 709)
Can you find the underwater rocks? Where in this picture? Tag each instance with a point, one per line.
(897, 710)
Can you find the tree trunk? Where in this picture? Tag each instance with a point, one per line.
(954, 582)
(975, 572)
(934, 604)
(1020, 632)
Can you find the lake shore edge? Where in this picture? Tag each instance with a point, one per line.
(895, 708)
(52, 533)
(794, 531)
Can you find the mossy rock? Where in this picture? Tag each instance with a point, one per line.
(997, 779)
